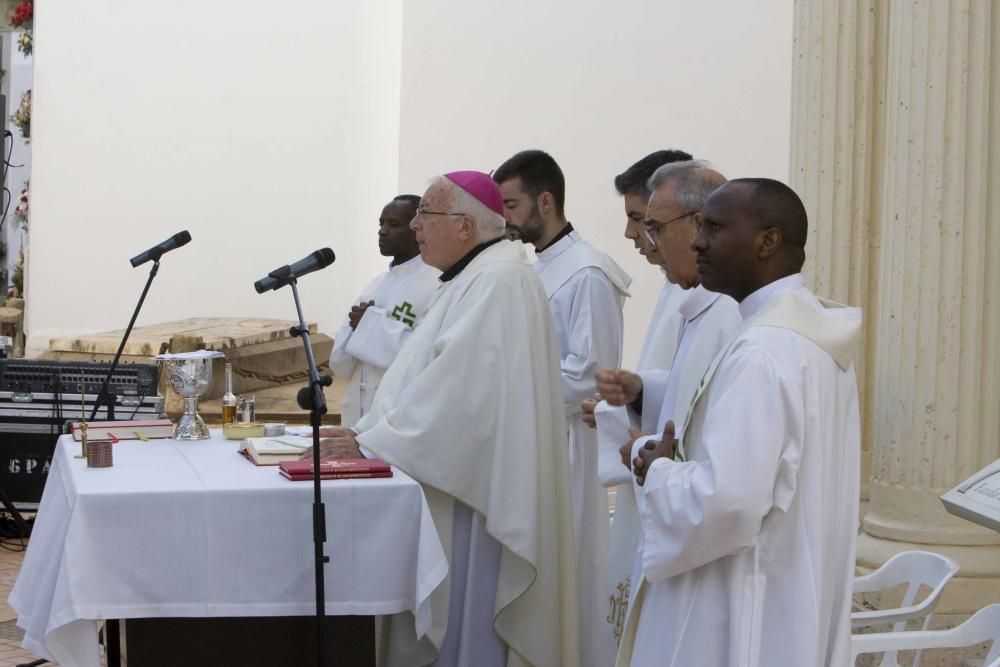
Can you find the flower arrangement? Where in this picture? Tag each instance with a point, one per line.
(21, 212)
(22, 18)
(22, 118)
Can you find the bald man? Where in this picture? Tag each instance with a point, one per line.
(749, 511)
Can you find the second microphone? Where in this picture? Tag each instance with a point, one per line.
(284, 275)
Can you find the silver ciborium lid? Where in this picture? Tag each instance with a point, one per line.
(189, 374)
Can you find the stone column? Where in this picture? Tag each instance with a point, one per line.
(936, 392)
(896, 151)
(837, 135)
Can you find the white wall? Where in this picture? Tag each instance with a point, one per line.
(598, 85)
(267, 130)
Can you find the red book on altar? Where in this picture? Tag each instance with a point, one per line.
(300, 471)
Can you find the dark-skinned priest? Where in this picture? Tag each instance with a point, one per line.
(387, 311)
(749, 507)
(472, 408)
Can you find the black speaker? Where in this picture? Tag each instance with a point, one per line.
(25, 458)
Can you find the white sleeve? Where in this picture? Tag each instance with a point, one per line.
(640, 498)
(341, 362)
(377, 338)
(712, 506)
(612, 432)
(595, 340)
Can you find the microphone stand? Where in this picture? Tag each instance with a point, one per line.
(104, 396)
(111, 628)
(312, 398)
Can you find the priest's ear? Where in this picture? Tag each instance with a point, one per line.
(466, 228)
(546, 203)
(768, 242)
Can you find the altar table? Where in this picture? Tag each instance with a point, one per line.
(193, 530)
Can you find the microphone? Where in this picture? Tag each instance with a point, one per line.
(283, 275)
(154, 253)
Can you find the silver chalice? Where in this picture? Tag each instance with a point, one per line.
(189, 378)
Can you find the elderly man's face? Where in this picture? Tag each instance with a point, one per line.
(673, 230)
(635, 213)
(439, 236)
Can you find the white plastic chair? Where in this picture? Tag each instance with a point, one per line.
(916, 569)
(984, 626)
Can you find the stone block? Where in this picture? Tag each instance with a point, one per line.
(262, 351)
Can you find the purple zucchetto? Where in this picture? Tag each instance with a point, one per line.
(481, 186)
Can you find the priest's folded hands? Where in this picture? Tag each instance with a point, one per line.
(337, 443)
(625, 451)
(665, 447)
(357, 312)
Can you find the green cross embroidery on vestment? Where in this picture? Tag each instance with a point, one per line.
(404, 313)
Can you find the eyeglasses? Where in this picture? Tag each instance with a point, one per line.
(650, 229)
(423, 212)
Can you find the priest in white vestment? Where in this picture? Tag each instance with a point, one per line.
(708, 321)
(657, 351)
(475, 415)
(386, 312)
(586, 290)
(749, 514)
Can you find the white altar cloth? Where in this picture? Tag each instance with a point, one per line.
(192, 529)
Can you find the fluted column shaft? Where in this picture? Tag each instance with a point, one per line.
(896, 151)
(937, 382)
(837, 131)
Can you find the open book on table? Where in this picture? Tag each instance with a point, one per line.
(273, 450)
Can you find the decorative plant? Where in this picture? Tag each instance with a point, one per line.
(21, 212)
(22, 18)
(22, 118)
(18, 277)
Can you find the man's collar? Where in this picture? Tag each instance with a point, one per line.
(457, 267)
(753, 303)
(696, 302)
(563, 233)
(408, 264)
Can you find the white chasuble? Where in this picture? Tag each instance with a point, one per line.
(749, 536)
(401, 295)
(586, 290)
(474, 413)
(613, 423)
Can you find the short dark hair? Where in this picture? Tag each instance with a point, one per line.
(633, 180)
(412, 200)
(538, 173)
(774, 204)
